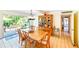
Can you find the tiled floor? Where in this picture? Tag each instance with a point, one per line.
(2, 43)
(12, 43)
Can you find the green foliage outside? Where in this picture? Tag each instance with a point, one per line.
(17, 21)
(13, 20)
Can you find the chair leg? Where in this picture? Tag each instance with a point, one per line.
(25, 43)
(19, 40)
(21, 43)
(30, 44)
(33, 44)
(47, 46)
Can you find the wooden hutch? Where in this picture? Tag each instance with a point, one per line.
(46, 22)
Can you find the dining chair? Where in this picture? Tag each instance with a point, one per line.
(26, 38)
(46, 41)
(31, 42)
(23, 36)
(19, 33)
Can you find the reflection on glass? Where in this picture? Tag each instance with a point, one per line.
(65, 23)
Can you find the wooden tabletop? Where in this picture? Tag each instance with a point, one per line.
(37, 35)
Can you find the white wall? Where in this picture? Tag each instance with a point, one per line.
(36, 21)
(1, 26)
(72, 28)
(56, 19)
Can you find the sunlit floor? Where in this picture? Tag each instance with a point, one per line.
(60, 42)
(11, 43)
(55, 42)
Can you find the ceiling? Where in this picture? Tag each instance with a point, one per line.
(27, 12)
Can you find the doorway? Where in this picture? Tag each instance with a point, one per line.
(65, 24)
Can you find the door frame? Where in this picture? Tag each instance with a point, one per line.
(68, 16)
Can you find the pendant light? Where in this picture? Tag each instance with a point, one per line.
(31, 16)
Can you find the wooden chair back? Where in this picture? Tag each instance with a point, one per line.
(47, 39)
(19, 32)
(22, 35)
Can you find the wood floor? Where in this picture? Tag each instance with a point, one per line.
(60, 42)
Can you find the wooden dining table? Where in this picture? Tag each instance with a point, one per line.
(37, 35)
